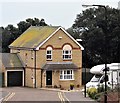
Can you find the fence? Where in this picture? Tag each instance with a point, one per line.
(88, 75)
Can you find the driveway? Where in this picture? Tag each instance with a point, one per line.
(31, 94)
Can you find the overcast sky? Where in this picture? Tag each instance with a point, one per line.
(55, 12)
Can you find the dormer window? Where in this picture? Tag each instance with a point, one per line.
(67, 52)
(49, 53)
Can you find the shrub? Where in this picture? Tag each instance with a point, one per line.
(78, 85)
(102, 88)
(55, 86)
(71, 86)
(92, 92)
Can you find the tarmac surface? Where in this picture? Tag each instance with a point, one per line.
(42, 95)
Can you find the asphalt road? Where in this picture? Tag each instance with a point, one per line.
(45, 96)
(77, 97)
(30, 94)
(2, 94)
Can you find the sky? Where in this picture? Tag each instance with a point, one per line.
(55, 12)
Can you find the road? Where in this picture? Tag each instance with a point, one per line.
(43, 96)
(2, 94)
(77, 97)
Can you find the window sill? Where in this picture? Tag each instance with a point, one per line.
(49, 60)
(66, 79)
(67, 59)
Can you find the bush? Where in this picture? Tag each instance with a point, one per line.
(71, 86)
(101, 88)
(78, 85)
(92, 92)
(55, 86)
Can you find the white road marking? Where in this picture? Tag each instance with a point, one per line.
(9, 96)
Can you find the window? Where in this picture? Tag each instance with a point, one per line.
(66, 75)
(49, 53)
(67, 52)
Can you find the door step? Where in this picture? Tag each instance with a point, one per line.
(49, 86)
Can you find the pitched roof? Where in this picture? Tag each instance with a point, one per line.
(10, 60)
(33, 36)
(59, 66)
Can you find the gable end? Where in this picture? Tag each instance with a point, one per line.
(65, 33)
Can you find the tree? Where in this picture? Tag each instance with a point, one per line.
(90, 26)
(10, 33)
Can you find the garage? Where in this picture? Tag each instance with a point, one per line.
(14, 78)
(13, 70)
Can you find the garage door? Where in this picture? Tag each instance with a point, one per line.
(14, 78)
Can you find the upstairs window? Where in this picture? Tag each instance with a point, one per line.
(49, 53)
(67, 52)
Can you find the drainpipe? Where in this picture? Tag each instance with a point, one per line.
(34, 68)
(41, 78)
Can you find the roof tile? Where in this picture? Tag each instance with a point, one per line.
(33, 36)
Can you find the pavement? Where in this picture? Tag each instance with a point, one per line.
(59, 90)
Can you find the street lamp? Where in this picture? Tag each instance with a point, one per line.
(106, 69)
(80, 40)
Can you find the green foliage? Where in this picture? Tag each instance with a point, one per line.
(100, 89)
(71, 84)
(90, 26)
(92, 92)
(10, 33)
(96, 93)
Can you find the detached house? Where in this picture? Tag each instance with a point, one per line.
(48, 56)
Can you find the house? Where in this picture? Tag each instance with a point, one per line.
(47, 56)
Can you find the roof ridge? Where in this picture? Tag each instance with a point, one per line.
(45, 26)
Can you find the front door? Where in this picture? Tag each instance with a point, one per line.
(48, 77)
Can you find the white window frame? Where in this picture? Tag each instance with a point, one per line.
(49, 49)
(65, 76)
(69, 54)
(67, 48)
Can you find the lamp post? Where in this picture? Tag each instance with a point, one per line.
(105, 14)
(80, 40)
